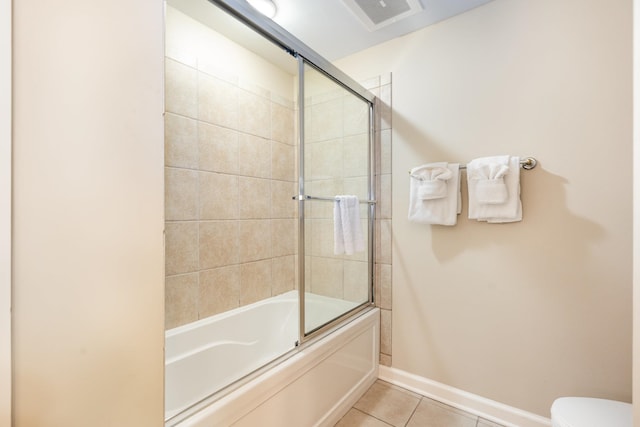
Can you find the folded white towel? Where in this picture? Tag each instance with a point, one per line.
(347, 229)
(434, 193)
(433, 181)
(494, 189)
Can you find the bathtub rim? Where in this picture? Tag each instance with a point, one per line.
(310, 339)
(354, 317)
(292, 295)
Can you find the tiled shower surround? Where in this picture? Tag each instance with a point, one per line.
(229, 178)
(230, 157)
(381, 87)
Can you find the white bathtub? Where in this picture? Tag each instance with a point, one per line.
(207, 355)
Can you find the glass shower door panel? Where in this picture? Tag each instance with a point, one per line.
(336, 162)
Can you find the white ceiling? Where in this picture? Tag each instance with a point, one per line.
(326, 26)
(332, 30)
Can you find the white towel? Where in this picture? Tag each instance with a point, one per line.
(347, 229)
(434, 193)
(494, 189)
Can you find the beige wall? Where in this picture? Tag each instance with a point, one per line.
(230, 174)
(88, 222)
(520, 313)
(5, 214)
(636, 211)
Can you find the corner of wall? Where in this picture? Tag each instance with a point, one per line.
(5, 213)
(636, 213)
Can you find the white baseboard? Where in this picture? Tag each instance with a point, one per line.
(488, 409)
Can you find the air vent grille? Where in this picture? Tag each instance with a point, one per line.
(375, 14)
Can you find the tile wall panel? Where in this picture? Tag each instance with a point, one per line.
(231, 223)
(229, 181)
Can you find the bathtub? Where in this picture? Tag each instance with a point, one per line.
(315, 385)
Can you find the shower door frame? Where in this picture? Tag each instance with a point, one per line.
(242, 11)
(302, 198)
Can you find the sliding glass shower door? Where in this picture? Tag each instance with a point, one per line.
(335, 163)
(259, 145)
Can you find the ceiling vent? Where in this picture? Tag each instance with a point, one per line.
(375, 14)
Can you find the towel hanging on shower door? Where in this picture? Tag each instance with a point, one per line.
(347, 229)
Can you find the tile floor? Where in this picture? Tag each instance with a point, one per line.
(385, 405)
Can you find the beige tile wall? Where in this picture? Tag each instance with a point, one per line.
(381, 87)
(229, 180)
(230, 160)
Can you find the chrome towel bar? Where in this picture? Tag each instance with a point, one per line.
(527, 163)
(328, 199)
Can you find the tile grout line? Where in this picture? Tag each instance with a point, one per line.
(414, 411)
(372, 416)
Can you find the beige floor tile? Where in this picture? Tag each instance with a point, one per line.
(433, 414)
(356, 418)
(388, 403)
(487, 423)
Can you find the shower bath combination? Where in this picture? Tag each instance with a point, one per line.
(262, 134)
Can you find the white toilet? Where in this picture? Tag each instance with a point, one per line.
(590, 412)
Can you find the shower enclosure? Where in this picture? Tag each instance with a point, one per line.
(262, 134)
